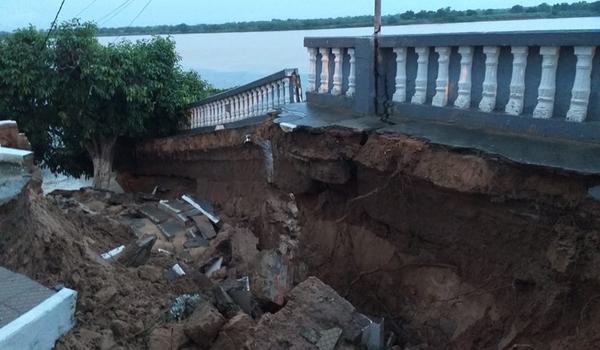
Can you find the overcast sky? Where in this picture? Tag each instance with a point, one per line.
(19, 13)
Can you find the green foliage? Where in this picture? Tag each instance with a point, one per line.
(27, 82)
(71, 94)
(577, 9)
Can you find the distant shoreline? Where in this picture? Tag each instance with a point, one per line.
(444, 15)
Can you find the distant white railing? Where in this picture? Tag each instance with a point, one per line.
(251, 100)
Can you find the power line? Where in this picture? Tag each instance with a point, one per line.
(86, 8)
(136, 17)
(54, 22)
(140, 13)
(112, 14)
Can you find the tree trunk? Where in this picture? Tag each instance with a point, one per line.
(102, 153)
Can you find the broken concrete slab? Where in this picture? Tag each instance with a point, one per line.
(195, 242)
(137, 253)
(373, 337)
(213, 266)
(153, 213)
(171, 228)
(272, 277)
(175, 207)
(203, 326)
(239, 292)
(205, 226)
(113, 254)
(142, 226)
(224, 302)
(205, 207)
(310, 305)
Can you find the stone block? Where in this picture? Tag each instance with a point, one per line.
(205, 226)
(203, 326)
(172, 228)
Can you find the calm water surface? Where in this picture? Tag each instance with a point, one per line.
(232, 59)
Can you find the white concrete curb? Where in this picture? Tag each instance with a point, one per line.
(40, 327)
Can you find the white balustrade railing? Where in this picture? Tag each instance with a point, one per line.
(337, 71)
(542, 75)
(488, 100)
(251, 100)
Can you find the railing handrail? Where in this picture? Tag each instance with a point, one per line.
(583, 37)
(576, 37)
(282, 74)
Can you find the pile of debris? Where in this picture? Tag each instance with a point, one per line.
(173, 274)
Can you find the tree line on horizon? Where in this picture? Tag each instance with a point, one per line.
(442, 15)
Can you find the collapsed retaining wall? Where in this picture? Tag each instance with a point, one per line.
(456, 249)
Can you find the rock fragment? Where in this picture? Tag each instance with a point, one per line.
(138, 253)
(203, 325)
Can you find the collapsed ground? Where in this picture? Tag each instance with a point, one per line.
(454, 249)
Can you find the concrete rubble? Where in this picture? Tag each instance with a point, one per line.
(237, 296)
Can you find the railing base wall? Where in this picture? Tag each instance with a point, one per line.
(342, 104)
(552, 128)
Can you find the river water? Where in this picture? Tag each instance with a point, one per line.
(233, 59)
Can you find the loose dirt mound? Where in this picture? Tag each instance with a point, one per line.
(115, 305)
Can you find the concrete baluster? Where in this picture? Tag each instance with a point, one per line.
(422, 71)
(213, 113)
(312, 69)
(490, 83)
(221, 112)
(400, 93)
(244, 109)
(440, 99)
(263, 100)
(235, 112)
(324, 88)
(517, 81)
(281, 92)
(352, 75)
(254, 102)
(275, 91)
(210, 114)
(464, 81)
(580, 95)
(338, 56)
(547, 89)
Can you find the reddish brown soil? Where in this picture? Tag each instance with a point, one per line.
(117, 307)
(458, 250)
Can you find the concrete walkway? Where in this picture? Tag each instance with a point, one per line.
(581, 157)
(31, 315)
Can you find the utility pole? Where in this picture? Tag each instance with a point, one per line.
(377, 17)
(379, 110)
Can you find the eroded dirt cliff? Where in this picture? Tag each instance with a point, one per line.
(455, 249)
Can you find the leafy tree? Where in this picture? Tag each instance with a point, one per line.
(26, 85)
(544, 7)
(100, 95)
(517, 9)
